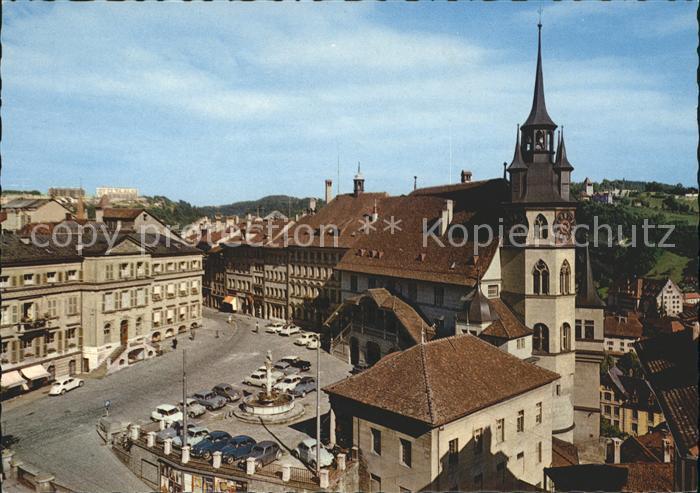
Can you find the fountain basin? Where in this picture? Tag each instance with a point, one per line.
(264, 404)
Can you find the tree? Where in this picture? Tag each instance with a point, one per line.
(609, 430)
(629, 364)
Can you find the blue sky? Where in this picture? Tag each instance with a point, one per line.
(216, 103)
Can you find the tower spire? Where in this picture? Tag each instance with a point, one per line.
(538, 114)
(561, 162)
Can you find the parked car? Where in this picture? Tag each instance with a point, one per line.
(301, 364)
(276, 374)
(290, 359)
(359, 368)
(288, 383)
(237, 448)
(229, 392)
(213, 442)
(285, 368)
(194, 408)
(305, 386)
(290, 330)
(274, 327)
(313, 343)
(63, 385)
(173, 430)
(304, 339)
(264, 452)
(306, 452)
(209, 400)
(194, 435)
(167, 413)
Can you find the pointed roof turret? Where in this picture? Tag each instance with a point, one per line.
(518, 162)
(587, 296)
(561, 162)
(538, 114)
(480, 309)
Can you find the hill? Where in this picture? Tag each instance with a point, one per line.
(289, 206)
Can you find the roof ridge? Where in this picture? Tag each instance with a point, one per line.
(646, 449)
(428, 390)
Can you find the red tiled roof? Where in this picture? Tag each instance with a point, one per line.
(442, 380)
(508, 326)
(121, 213)
(563, 453)
(635, 477)
(627, 326)
(644, 448)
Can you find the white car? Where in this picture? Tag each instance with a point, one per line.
(166, 413)
(194, 408)
(63, 385)
(259, 378)
(288, 383)
(305, 338)
(306, 452)
(290, 330)
(274, 327)
(313, 343)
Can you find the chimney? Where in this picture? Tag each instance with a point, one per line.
(329, 191)
(446, 216)
(616, 443)
(375, 213)
(466, 176)
(312, 205)
(667, 449)
(80, 210)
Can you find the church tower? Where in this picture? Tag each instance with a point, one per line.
(538, 255)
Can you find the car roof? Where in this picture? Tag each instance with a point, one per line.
(166, 407)
(222, 385)
(240, 438)
(217, 433)
(195, 429)
(63, 379)
(309, 442)
(203, 392)
(265, 443)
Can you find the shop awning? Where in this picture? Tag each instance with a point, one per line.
(35, 372)
(11, 379)
(229, 300)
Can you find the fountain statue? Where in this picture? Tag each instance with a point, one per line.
(269, 405)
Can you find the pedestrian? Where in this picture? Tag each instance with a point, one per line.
(217, 333)
(257, 327)
(191, 334)
(230, 318)
(174, 343)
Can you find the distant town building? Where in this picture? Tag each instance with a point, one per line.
(73, 193)
(621, 332)
(648, 296)
(628, 404)
(20, 212)
(117, 194)
(587, 188)
(67, 310)
(133, 220)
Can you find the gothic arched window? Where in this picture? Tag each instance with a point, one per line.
(565, 278)
(565, 337)
(540, 229)
(540, 278)
(540, 338)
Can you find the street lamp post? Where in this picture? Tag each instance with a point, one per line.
(184, 400)
(318, 407)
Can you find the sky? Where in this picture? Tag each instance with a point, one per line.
(220, 102)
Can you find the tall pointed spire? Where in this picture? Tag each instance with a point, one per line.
(538, 114)
(587, 296)
(561, 162)
(518, 162)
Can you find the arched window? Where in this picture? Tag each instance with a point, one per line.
(540, 229)
(540, 278)
(565, 278)
(565, 337)
(540, 339)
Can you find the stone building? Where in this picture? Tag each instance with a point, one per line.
(20, 212)
(453, 414)
(651, 297)
(107, 304)
(621, 331)
(117, 193)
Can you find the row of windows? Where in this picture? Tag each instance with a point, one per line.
(50, 338)
(172, 314)
(182, 265)
(31, 279)
(29, 311)
(124, 300)
(540, 337)
(170, 290)
(540, 278)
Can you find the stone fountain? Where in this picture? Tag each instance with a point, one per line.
(269, 405)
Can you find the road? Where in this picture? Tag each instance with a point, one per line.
(57, 434)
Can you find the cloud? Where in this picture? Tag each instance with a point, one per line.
(197, 103)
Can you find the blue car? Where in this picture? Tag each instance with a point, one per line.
(237, 448)
(214, 442)
(305, 386)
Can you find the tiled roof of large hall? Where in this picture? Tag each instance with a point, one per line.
(442, 380)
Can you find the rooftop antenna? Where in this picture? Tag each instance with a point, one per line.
(337, 150)
(539, 18)
(415, 182)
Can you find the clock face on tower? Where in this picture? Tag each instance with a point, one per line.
(563, 226)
